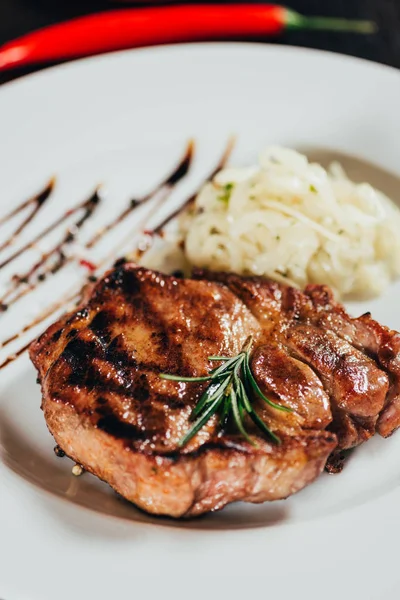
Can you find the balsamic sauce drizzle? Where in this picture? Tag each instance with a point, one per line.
(37, 202)
(42, 317)
(14, 356)
(26, 279)
(222, 162)
(141, 229)
(165, 186)
(89, 205)
(85, 205)
(43, 267)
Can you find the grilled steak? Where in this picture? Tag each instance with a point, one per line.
(109, 410)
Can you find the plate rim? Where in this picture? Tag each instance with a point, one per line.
(82, 62)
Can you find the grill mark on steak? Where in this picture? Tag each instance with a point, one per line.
(81, 355)
(76, 355)
(100, 327)
(93, 364)
(161, 330)
(113, 425)
(84, 358)
(56, 336)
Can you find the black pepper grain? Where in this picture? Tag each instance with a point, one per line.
(59, 452)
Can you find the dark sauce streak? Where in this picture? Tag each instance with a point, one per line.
(177, 174)
(99, 326)
(160, 198)
(57, 253)
(93, 200)
(42, 317)
(14, 356)
(37, 202)
(223, 160)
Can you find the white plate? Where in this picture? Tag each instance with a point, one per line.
(123, 120)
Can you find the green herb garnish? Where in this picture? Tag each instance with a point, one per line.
(228, 394)
(227, 191)
(313, 188)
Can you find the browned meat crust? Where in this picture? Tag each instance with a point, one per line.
(109, 410)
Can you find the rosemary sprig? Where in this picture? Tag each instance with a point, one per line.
(228, 395)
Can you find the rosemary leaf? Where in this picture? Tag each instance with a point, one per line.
(261, 425)
(244, 397)
(206, 395)
(225, 366)
(236, 415)
(226, 408)
(201, 421)
(180, 378)
(211, 393)
(238, 390)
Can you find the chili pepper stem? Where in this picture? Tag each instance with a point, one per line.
(294, 20)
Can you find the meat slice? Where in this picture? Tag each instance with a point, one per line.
(109, 410)
(356, 359)
(380, 342)
(356, 386)
(290, 382)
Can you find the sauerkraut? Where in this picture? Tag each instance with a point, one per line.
(295, 222)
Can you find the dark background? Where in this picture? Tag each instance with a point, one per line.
(20, 16)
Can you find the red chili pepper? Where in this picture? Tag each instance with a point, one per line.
(88, 265)
(133, 27)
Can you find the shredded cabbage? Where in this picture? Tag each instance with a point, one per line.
(296, 222)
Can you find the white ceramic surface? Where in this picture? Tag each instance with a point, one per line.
(122, 120)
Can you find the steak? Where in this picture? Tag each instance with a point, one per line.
(109, 410)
